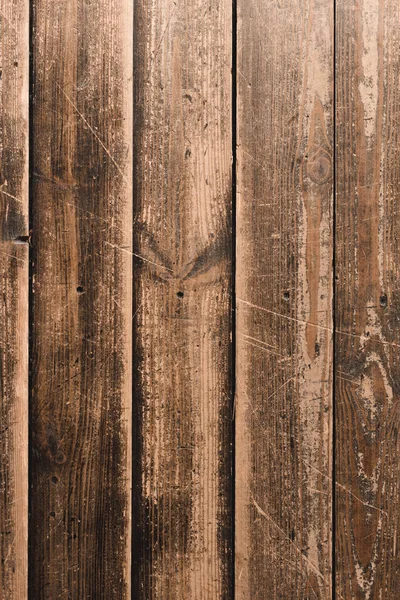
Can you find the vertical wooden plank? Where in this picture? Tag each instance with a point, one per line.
(182, 245)
(81, 332)
(14, 136)
(284, 297)
(368, 299)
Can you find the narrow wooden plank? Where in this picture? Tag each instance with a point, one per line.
(14, 123)
(182, 244)
(368, 300)
(81, 331)
(284, 297)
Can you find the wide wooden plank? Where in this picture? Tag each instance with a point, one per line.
(81, 306)
(284, 298)
(182, 245)
(14, 231)
(368, 300)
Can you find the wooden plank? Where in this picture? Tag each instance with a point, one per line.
(14, 122)
(368, 300)
(284, 297)
(81, 306)
(182, 245)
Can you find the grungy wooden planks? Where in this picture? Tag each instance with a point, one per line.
(136, 108)
(367, 300)
(81, 207)
(14, 231)
(182, 300)
(284, 299)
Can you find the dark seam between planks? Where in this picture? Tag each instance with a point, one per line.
(133, 445)
(234, 229)
(334, 324)
(30, 275)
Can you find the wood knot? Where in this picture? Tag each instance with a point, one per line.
(318, 166)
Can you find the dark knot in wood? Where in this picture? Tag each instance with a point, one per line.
(319, 166)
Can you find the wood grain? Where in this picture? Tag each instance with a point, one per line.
(284, 298)
(14, 75)
(82, 301)
(182, 299)
(368, 300)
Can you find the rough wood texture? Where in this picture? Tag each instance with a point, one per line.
(368, 300)
(182, 245)
(81, 304)
(14, 65)
(284, 298)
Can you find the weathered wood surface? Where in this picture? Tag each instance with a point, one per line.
(14, 119)
(182, 300)
(81, 302)
(284, 298)
(368, 300)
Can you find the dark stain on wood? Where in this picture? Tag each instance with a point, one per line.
(81, 305)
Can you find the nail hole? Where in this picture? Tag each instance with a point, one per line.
(79, 289)
(180, 294)
(60, 458)
(383, 301)
(52, 514)
(286, 296)
(54, 479)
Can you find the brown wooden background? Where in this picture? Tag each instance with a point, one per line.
(199, 299)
